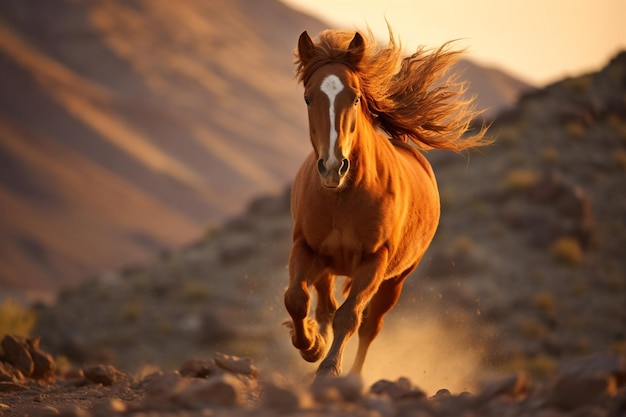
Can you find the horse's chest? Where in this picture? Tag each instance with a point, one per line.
(342, 241)
(336, 241)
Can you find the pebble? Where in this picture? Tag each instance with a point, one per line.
(223, 390)
(575, 390)
(236, 365)
(196, 368)
(331, 388)
(16, 352)
(278, 396)
(103, 374)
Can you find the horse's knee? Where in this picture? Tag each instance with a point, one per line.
(346, 320)
(297, 301)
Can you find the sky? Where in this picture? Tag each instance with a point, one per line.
(538, 41)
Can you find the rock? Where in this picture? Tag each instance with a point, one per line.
(103, 374)
(16, 353)
(402, 388)
(442, 393)
(8, 373)
(44, 365)
(223, 390)
(278, 396)
(40, 411)
(73, 410)
(109, 407)
(332, 388)
(162, 389)
(159, 385)
(9, 386)
(382, 406)
(515, 386)
(197, 368)
(573, 390)
(236, 365)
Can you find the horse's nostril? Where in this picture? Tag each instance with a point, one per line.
(321, 166)
(343, 169)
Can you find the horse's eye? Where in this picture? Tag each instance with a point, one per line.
(307, 100)
(357, 100)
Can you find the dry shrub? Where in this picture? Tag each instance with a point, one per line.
(545, 302)
(567, 251)
(16, 319)
(579, 85)
(618, 124)
(541, 366)
(534, 329)
(520, 179)
(508, 136)
(575, 130)
(132, 310)
(550, 155)
(619, 156)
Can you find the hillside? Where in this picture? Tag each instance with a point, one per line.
(525, 273)
(130, 127)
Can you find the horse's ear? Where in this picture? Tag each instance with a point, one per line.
(305, 48)
(356, 49)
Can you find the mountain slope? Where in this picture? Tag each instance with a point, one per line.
(127, 127)
(526, 272)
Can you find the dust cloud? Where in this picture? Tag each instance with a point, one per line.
(431, 353)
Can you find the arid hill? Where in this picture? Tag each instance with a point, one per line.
(525, 272)
(130, 127)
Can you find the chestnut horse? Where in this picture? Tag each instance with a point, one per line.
(365, 202)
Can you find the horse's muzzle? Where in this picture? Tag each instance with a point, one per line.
(332, 175)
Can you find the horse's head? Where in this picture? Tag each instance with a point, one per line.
(332, 94)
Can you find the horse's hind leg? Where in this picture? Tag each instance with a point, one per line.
(303, 270)
(384, 300)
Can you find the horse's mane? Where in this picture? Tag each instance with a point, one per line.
(406, 96)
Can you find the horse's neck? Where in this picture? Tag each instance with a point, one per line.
(372, 151)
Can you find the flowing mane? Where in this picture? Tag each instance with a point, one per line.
(405, 96)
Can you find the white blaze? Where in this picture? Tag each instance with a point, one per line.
(331, 86)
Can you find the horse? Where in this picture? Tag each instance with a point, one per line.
(365, 203)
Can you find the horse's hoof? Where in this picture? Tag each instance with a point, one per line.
(328, 369)
(316, 351)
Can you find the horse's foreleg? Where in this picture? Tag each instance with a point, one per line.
(303, 269)
(326, 305)
(365, 283)
(384, 300)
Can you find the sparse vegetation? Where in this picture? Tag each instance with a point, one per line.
(567, 251)
(618, 124)
(520, 179)
(534, 329)
(193, 292)
(579, 85)
(619, 156)
(15, 319)
(575, 129)
(545, 302)
(508, 136)
(133, 310)
(541, 366)
(550, 155)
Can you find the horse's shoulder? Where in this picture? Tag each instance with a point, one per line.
(414, 154)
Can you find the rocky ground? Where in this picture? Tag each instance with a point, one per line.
(227, 385)
(517, 309)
